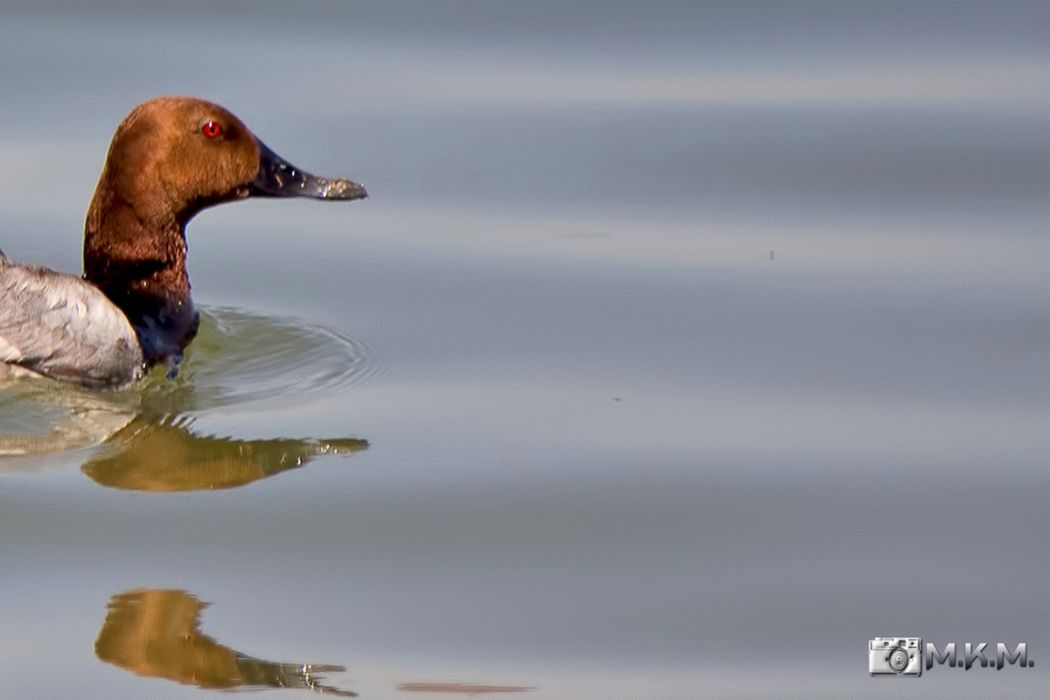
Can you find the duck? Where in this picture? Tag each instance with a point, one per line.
(170, 158)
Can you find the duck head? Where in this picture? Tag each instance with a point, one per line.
(170, 158)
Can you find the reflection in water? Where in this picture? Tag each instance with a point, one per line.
(146, 430)
(156, 633)
(41, 417)
(167, 456)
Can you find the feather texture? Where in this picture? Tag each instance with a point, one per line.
(60, 326)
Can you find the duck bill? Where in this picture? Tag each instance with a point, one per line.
(279, 178)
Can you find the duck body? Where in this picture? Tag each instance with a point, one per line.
(170, 158)
(61, 326)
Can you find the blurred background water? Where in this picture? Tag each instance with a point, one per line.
(680, 349)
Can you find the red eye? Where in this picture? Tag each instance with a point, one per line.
(212, 129)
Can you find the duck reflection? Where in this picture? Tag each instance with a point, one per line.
(166, 455)
(144, 437)
(156, 633)
(40, 418)
(145, 441)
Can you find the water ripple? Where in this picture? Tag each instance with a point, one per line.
(238, 359)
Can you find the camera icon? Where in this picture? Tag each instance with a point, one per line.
(897, 656)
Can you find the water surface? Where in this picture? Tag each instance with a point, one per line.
(679, 350)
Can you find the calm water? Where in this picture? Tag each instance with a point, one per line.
(679, 351)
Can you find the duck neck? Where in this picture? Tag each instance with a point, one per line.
(139, 262)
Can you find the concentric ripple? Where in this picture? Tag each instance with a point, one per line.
(240, 357)
(237, 359)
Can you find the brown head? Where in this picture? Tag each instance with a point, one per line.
(173, 156)
(170, 158)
